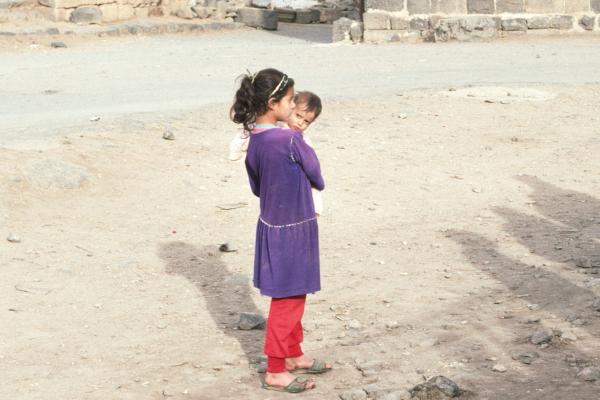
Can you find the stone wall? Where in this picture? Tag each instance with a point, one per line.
(99, 11)
(444, 20)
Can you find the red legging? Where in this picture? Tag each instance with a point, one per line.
(284, 331)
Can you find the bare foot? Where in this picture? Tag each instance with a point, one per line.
(282, 379)
(301, 362)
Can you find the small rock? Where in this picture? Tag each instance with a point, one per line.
(589, 374)
(58, 45)
(86, 15)
(437, 386)
(353, 324)
(401, 394)
(168, 135)
(13, 238)
(95, 118)
(568, 335)
(250, 321)
(227, 248)
(499, 368)
(354, 394)
(526, 358)
(542, 336)
(583, 262)
(596, 304)
(402, 116)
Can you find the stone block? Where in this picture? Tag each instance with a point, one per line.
(222, 8)
(110, 12)
(60, 14)
(445, 6)
(561, 22)
(538, 22)
(376, 21)
(398, 23)
(202, 12)
(418, 6)
(341, 30)
(126, 11)
(86, 15)
(545, 6)
(575, 6)
(258, 18)
(329, 15)
(419, 24)
(286, 14)
(305, 17)
(316, 14)
(471, 28)
(356, 31)
(595, 4)
(384, 5)
(73, 3)
(141, 12)
(510, 6)
(587, 22)
(514, 24)
(480, 7)
(185, 13)
(260, 3)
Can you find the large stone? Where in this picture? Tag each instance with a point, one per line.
(418, 6)
(514, 24)
(202, 12)
(587, 22)
(73, 3)
(480, 6)
(305, 17)
(542, 336)
(110, 12)
(444, 6)
(538, 22)
(561, 22)
(589, 374)
(381, 36)
(126, 11)
(595, 4)
(376, 20)
(545, 6)
(356, 31)
(575, 6)
(437, 387)
(185, 13)
(250, 321)
(261, 3)
(398, 23)
(258, 18)
(341, 30)
(329, 15)
(57, 174)
(384, 5)
(510, 6)
(86, 15)
(471, 28)
(419, 24)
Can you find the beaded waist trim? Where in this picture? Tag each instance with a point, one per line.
(286, 225)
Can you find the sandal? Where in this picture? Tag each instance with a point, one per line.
(298, 385)
(317, 367)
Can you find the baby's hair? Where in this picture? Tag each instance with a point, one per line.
(252, 98)
(312, 101)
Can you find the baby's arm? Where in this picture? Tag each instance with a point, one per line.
(238, 146)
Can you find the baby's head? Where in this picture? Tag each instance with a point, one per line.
(307, 110)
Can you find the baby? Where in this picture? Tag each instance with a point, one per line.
(307, 110)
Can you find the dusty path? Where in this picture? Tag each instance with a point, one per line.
(452, 233)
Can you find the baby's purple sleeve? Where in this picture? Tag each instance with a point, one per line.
(304, 155)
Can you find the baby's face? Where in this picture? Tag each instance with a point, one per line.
(300, 119)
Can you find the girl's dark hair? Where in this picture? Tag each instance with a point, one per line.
(252, 98)
(311, 100)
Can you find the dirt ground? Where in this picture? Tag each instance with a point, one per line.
(452, 232)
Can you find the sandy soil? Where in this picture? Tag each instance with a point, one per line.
(451, 234)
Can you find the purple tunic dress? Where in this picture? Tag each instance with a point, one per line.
(282, 168)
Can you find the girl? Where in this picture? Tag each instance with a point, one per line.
(281, 168)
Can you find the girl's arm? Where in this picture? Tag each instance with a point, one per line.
(304, 155)
(254, 181)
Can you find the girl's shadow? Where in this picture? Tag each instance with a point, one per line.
(226, 294)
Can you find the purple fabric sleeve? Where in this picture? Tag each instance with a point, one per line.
(304, 155)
